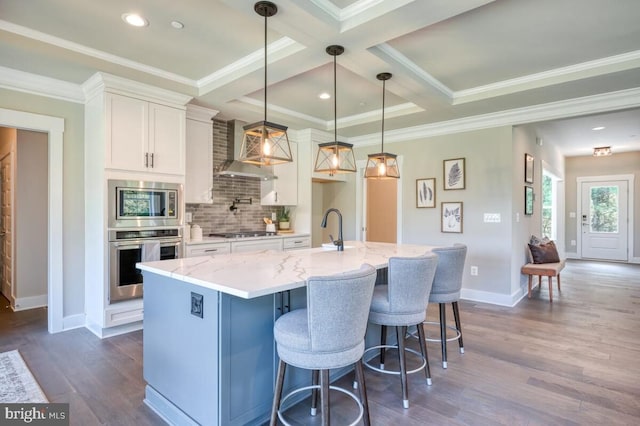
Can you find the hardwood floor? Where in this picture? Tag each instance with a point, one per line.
(573, 362)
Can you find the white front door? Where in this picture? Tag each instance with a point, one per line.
(604, 220)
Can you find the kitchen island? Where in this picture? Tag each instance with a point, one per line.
(209, 352)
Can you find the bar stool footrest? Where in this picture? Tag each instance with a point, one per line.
(394, 372)
(335, 388)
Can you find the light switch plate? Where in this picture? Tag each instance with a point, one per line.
(572, 215)
(188, 217)
(197, 305)
(492, 217)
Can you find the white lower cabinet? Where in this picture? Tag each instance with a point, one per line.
(295, 243)
(208, 249)
(255, 245)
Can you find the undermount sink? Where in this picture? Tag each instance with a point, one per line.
(331, 246)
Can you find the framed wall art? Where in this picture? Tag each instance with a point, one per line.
(454, 173)
(528, 168)
(426, 193)
(528, 200)
(451, 216)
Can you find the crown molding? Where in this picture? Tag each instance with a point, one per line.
(550, 111)
(359, 12)
(198, 113)
(39, 85)
(276, 51)
(271, 107)
(94, 53)
(587, 69)
(106, 82)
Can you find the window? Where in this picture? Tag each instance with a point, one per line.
(549, 205)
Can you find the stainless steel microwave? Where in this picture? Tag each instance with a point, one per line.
(138, 204)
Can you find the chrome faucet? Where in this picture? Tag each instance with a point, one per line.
(339, 243)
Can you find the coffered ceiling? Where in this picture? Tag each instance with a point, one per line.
(452, 61)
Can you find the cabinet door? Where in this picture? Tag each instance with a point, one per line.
(127, 132)
(198, 174)
(284, 190)
(166, 139)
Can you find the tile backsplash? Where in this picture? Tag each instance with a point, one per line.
(217, 217)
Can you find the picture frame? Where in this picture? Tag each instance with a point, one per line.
(528, 168)
(451, 217)
(426, 193)
(454, 174)
(528, 200)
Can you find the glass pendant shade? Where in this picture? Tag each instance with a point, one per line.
(265, 143)
(382, 165)
(335, 157)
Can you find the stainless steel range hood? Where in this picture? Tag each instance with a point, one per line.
(234, 168)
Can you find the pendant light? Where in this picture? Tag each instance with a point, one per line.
(335, 157)
(265, 143)
(382, 165)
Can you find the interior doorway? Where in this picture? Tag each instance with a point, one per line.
(54, 128)
(604, 213)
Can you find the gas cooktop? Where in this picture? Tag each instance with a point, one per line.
(242, 234)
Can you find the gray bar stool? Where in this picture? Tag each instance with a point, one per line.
(401, 303)
(328, 334)
(446, 289)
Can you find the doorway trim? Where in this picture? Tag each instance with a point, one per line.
(631, 258)
(361, 195)
(54, 127)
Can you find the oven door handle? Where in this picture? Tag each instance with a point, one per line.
(127, 245)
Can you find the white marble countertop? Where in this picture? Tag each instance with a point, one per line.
(206, 240)
(259, 273)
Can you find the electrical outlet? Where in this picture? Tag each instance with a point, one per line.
(197, 305)
(188, 217)
(474, 271)
(273, 216)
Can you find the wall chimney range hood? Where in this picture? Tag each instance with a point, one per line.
(233, 168)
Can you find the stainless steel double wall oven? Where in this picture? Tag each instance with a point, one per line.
(144, 225)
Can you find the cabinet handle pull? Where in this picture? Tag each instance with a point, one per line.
(208, 250)
(297, 242)
(152, 160)
(146, 159)
(276, 196)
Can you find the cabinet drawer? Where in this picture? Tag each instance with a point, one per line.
(207, 249)
(292, 243)
(256, 245)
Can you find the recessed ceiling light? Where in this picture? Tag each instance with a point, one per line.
(599, 128)
(324, 95)
(177, 25)
(135, 20)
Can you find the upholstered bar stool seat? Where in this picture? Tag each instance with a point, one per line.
(401, 303)
(447, 284)
(328, 334)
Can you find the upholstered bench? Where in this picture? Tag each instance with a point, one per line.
(544, 269)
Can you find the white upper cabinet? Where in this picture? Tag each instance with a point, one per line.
(143, 136)
(282, 191)
(198, 186)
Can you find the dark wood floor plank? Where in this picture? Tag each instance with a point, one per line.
(575, 361)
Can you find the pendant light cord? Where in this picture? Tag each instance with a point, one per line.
(265, 67)
(383, 92)
(335, 102)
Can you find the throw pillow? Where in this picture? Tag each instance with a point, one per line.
(544, 253)
(536, 241)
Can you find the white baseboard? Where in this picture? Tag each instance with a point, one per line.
(73, 321)
(104, 333)
(571, 255)
(31, 302)
(492, 298)
(634, 260)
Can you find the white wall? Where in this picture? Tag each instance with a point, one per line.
(31, 218)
